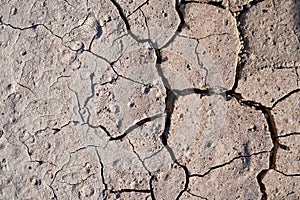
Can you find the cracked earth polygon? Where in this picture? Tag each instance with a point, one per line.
(149, 99)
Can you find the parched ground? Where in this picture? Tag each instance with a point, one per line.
(155, 99)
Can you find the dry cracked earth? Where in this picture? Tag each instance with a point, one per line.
(155, 99)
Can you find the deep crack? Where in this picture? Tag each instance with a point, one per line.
(274, 136)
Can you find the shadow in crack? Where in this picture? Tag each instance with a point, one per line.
(296, 14)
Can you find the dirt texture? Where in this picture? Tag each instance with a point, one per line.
(150, 99)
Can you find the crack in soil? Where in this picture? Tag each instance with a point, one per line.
(171, 97)
(227, 163)
(281, 99)
(285, 174)
(135, 126)
(103, 192)
(274, 136)
(290, 134)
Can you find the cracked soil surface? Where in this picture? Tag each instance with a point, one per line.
(150, 99)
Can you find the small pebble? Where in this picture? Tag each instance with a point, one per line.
(14, 11)
(119, 124)
(47, 145)
(146, 89)
(23, 53)
(130, 104)
(114, 108)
